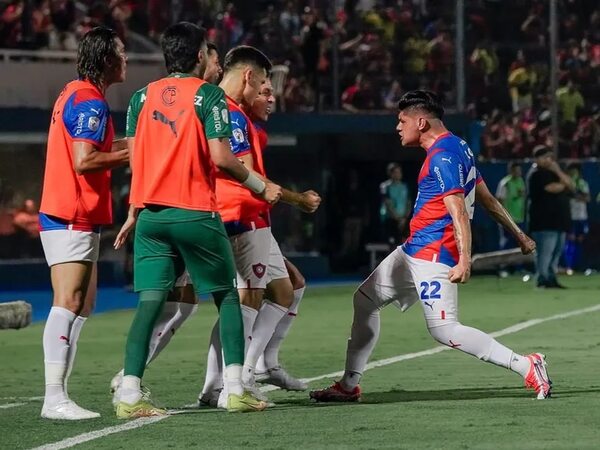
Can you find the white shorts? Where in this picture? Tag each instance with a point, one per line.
(258, 259)
(62, 246)
(404, 280)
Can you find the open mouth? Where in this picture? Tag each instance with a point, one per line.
(268, 110)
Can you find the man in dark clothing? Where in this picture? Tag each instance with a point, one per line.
(549, 214)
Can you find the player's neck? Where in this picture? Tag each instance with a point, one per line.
(233, 87)
(431, 135)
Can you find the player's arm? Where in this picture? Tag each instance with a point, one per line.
(455, 204)
(217, 127)
(87, 158)
(494, 208)
(307, 201)
(564, 180)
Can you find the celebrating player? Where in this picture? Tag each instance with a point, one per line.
(283, 280)
(178, 134)
(76, 202)
(436, 256)
(257, 255)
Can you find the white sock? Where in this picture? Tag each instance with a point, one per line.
(363, 337)
(131, 389)
(268, 317)
(481, 345)
(214, 362)
(172, 317)
(56, 353)
(73, 338)
(271, 355)
(233, 377)
(249, 317)
(520, 364)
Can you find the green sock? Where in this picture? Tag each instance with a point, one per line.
(136, 350)
(232, 327)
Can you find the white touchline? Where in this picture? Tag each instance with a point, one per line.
(11, 405)
(85, 437)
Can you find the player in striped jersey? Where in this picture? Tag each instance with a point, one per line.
(436, 256)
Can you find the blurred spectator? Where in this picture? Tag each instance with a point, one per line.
(579, 218)
(395, 205)
(354, 213)
(521, 79)
(8, 232)
(27, 226)
(511, 193)
(549, 214)
(391, 97)
(570, 103)
(359, 96)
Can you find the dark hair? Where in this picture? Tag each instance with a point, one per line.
(513, 164)
(245, 54)
(211, 47)
(574, 165)
(96, 50)
(541, 150)
(181, 44)
(425, 100)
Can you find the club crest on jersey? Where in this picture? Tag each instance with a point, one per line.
(93, 123)
(238, 135)
(259, 270)
(168, 95)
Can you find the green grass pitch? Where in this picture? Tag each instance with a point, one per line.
(443, 401)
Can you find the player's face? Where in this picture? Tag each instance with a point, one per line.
(255, 79)
(213, 68)
(408, 129)
(261, 108)
(118, 69)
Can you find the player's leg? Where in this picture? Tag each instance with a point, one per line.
(558, 243)
(213, 381)
(71, 256)
(439, 299)
(390, 282)
(206, 251)
(286, 280)
(181, 304)
(155, 260)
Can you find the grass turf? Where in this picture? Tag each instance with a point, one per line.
(447, 400)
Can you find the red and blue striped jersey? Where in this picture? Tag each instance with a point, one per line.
(449, 168)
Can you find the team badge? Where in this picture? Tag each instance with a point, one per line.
(93, 123)
(168, 95)
(238, 135)
(259, 270)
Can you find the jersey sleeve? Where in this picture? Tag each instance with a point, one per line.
(448, 172)
(211, 108)
(133, 111)
(240, 143)
(501, 190)
(86, 117)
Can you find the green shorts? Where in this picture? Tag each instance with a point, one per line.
(167, 240)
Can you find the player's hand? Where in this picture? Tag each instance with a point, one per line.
(272, 192)
(124, 231)
(527, 244)
(119, 144)
(309, 201)
(460, 273)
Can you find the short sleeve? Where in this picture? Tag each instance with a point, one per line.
(133, 111)
(86, 117)
(211, 108)
(501, 190)
(240, 143)
(383, 190)
(446, 169)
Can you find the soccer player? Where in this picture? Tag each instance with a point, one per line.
(268, 369)
(257, 255)
(76, 202)
(182, 302)
(436, 256)
(178, 135)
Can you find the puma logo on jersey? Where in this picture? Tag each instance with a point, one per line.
(157, 115)
(448, 159)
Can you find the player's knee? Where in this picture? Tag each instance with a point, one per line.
(73, 301)
(442, 333)
(363, 304)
